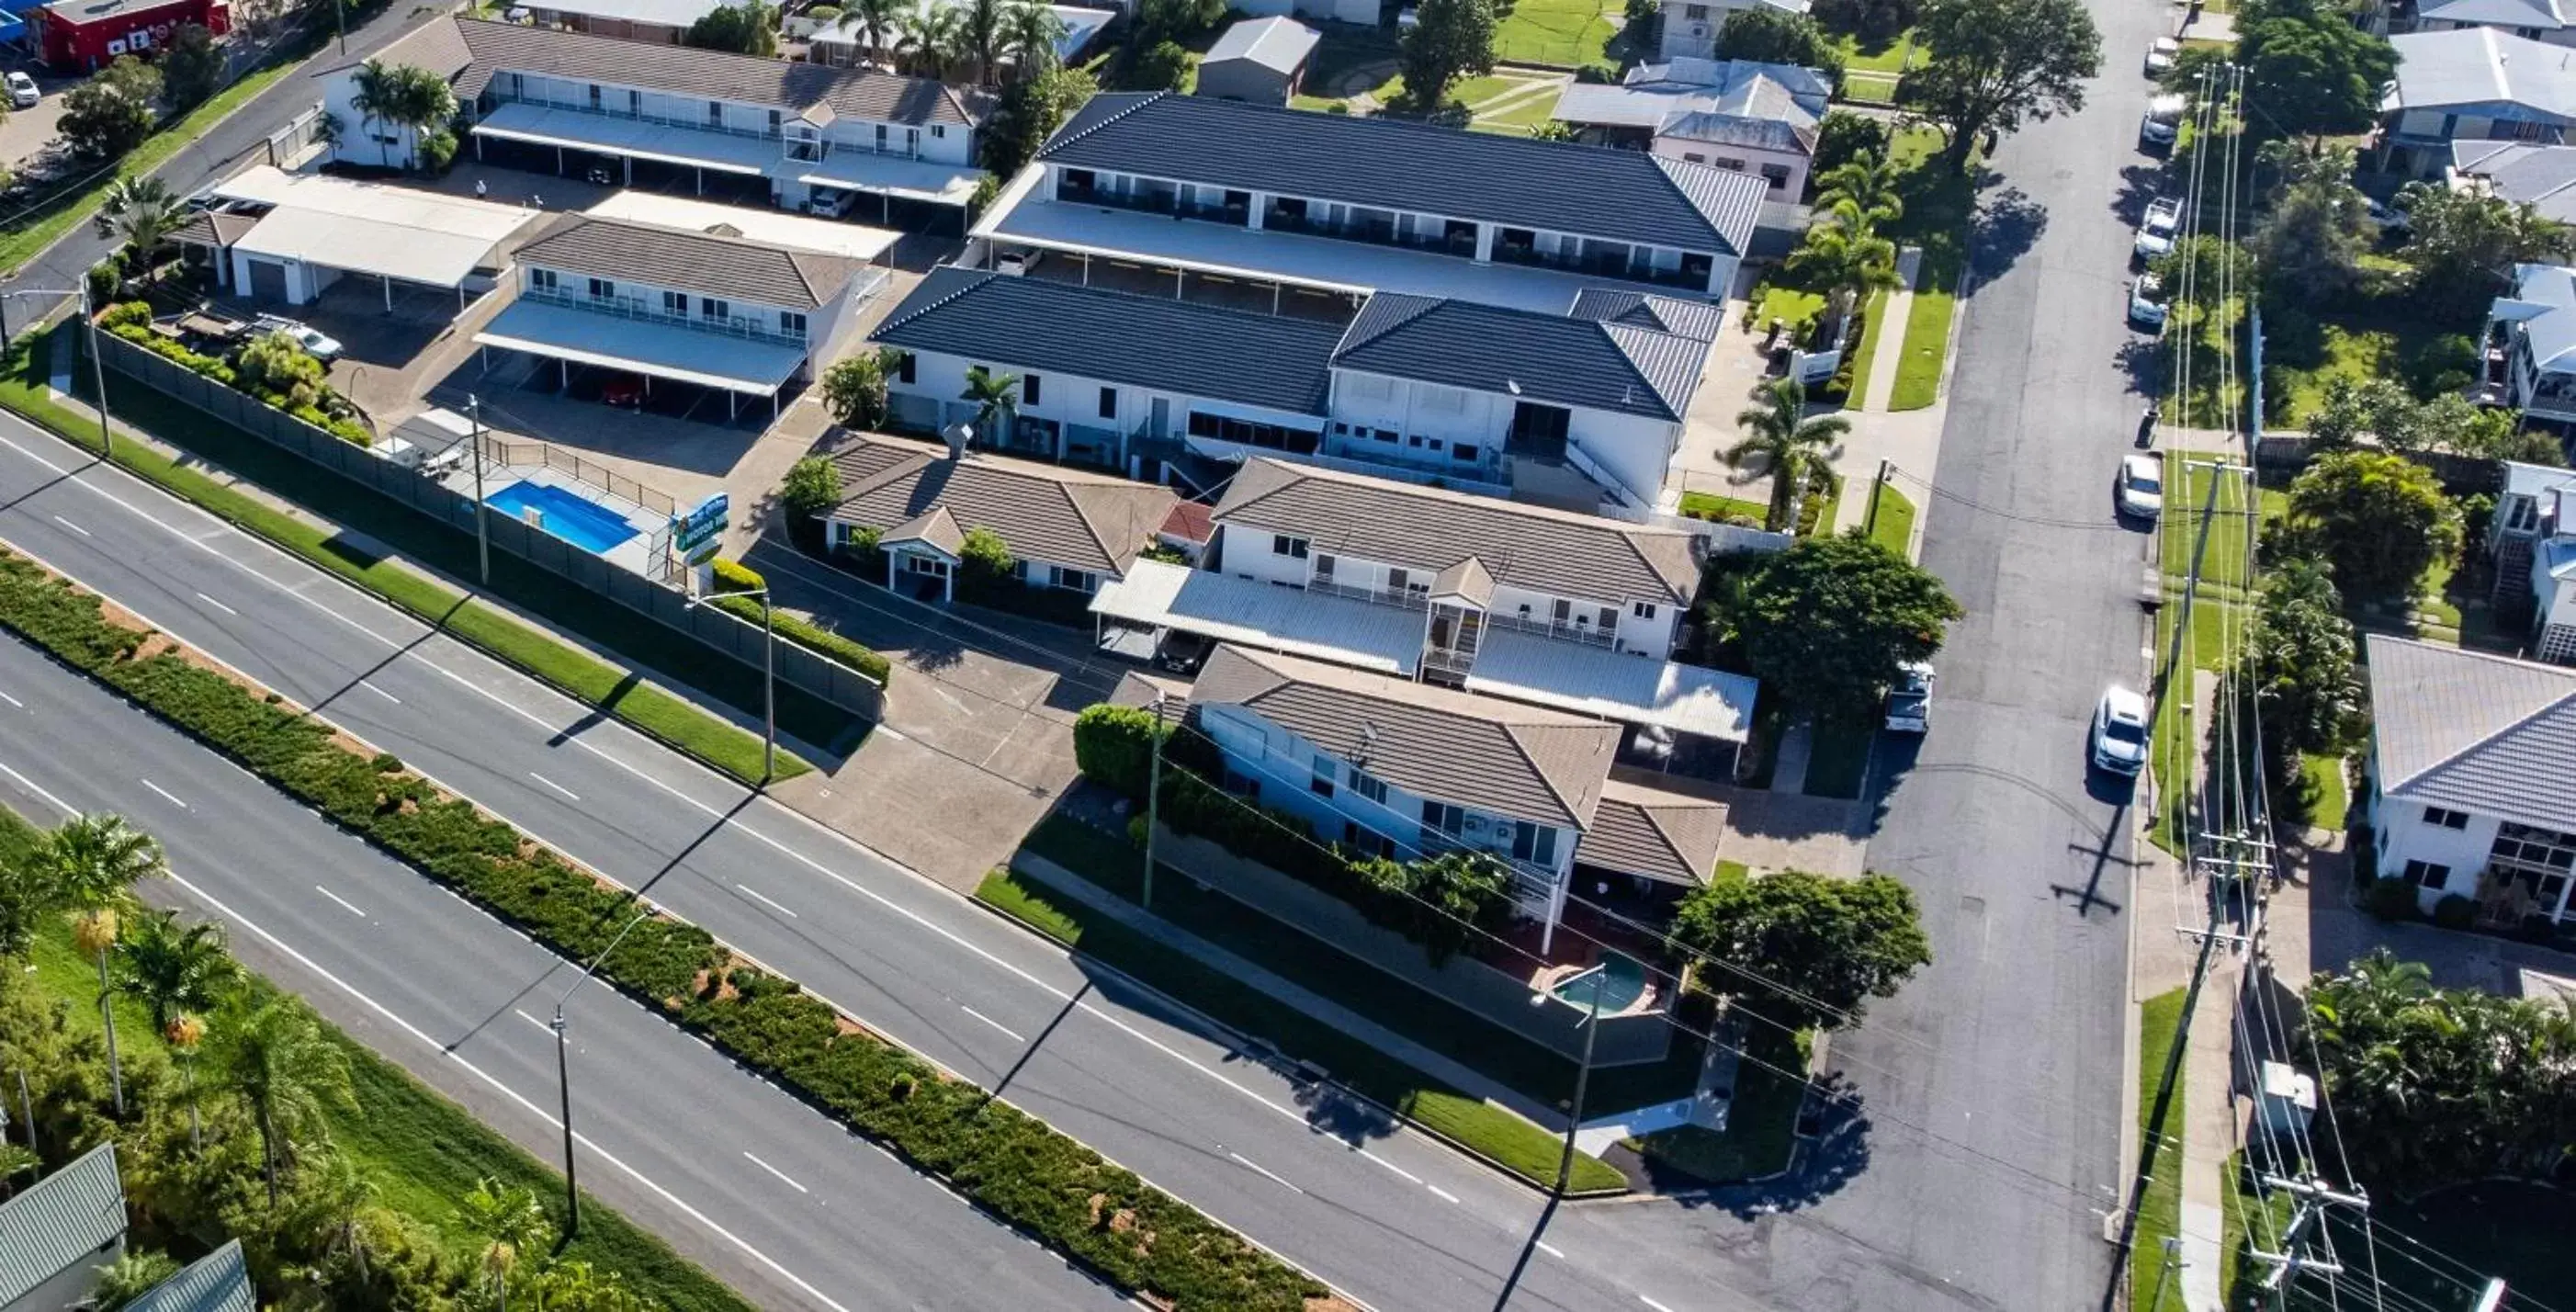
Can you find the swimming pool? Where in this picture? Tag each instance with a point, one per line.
(1620, 978)
(585, 524)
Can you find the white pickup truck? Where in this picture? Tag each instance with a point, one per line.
(2156, 231)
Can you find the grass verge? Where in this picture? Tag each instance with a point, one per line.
(1722, 509)
(615, 691)
(1761, 1123)
(1051, 1187)
(1556, 33)
(1873, 320)
(2160, 1207)
(1927, 337)
(1891, 519)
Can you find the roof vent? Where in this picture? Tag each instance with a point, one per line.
(724, 230)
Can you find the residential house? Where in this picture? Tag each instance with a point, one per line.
(1362, 13)
(2542, 177)
(1573, 409)
(1409, 770)
(1278, 208)
(700, 308)
(2473, 84)
(837, 42)
(217, 1282)
(1735, 114)
(661, 21)
(2546, 21)
(2532, 539)
(1259, 60)
(799, 136)
(57, 1234)
(2472, 779)
(1690, 31)
(2531, 343)
(290, 236)
(1065, 528)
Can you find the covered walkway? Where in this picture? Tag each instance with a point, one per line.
(736, 366)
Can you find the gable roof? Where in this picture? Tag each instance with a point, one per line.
(1558, 552)
(1620, 195)
(1498, 757)
(60, 1221)
(1044, 512)
(704, 262)
(2474, 732)
(2543, 310)
(1697, 320)
(1274, 43)
(217, 1282)
(1543, 357)
(2501, 13)
(2525, 173)
(1771, 106)
(1648, 831)
(1278, 362)
(2505, 76)
(470, 50)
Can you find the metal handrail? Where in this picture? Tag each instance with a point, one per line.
(636, 308)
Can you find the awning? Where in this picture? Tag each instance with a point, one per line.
(1630, 689)
(633, 138)
(369, 246)
(1355, 633)
(891, 175)
(733, 364)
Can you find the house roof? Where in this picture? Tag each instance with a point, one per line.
(1557, 552)
(1278, 362)
(703, 262)
(1808, 84)
(662, 13)
(215, 228)
(1770, 106)
(217, 1282)
(1498, 757)
(1620, 195)
(1543, 357)
(2500, 13)
(59, 1221)
(1044, 512)
(2474, 732)
(2503, 75)
(470, 50)
(2543, 308)
(1751, 131)
(1697, 320)
(1647, 831)
(1281, 44)
(1190, 521)
(2543, 177)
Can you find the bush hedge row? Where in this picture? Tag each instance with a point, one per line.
(132, 321)
(865, 660)
(1040, 1180)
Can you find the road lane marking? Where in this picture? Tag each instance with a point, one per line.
(1443, 1194)
(39, 790)
(166, 794)
(791, 1181)
(772, 903)
(1551, 1250)
(549, 1029)
(380, 692)
(218, 605)
(1265, 1171)
(1015, 1038)
(72, 526)
(352, 907)
(1388, 1165)
(1658, 1307)
(4, 697)
(553, 785)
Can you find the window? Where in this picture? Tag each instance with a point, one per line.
(715, 114)
(1028, 389)
(773, 122)
(1776, 174)
(1077, 580)
(1369, 786)
(1109, 403)
(634, 102)
(602, 289)
(1283, 545)
(1464, 452)
(711, 308)
(1395, 580)
(791, 323)
(541, 280)
(1609, 617)
(1694, 157)
(1695, 13)
(2434, 815)
(903, 367)
(1323, 568)
(938, 130)
(1443, 817)
(1366, 841)
(2426, 874)
(1644, 610)
(675, 303)
(1534, 843)
(1321, 783)
(594, 95)
(1273, 437)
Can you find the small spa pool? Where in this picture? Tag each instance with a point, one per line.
(1619, 978)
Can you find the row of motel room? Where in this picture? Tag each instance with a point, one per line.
(1405, 397)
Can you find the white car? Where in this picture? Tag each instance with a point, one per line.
(2156, 231)
(2147, 301)
(2120, 732)
(2161, 55)
(2141, 486)
(316, 343)
(2162, 122)
(22, 91)
(1909, 703)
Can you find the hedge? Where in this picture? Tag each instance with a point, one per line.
(132, 321)
(865, 660)
(734, 576)
(1113, 746)
(1039, 1180)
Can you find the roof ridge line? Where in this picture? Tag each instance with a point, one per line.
(1141, 102)
(1512, 729)
(2483, 740)
(980, 277)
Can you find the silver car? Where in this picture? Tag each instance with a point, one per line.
(2120, 732)
(2141, 486)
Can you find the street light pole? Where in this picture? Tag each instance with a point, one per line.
(482, 512)
(768, 679)
(563, 1074)
(1153, 801)
(1582, 1079)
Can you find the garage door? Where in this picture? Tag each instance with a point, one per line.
(268, 279)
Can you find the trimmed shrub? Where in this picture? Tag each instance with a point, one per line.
(2455, 911)
(1114, 747)
(2389, 899)
(865, 660)
(734, 576)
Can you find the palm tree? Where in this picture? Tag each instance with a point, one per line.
(926, 38)
(91, 863)
(509, 1222)
(372, 92)
(172, 969)
(1861, 192)
(1030, 31)
(979, 36)
(877, 21)
(332, 1212)
(997, 402)
(1847, 261)
(273, 1056)
(1783, 442)
(145, 213)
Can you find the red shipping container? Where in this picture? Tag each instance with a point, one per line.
(78, 36)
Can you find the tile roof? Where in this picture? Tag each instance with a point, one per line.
(1143, 341)
(217, 1282)
(1543, 357)
(1557, 552)
(1274, 43)
(60, 1221)
(2474, 732)
(1697, 320)
(935, 527)
(702, 262)
(1044, 512)
(1619, 195)
(471, 50)
(1499, 757)
(1648, 831)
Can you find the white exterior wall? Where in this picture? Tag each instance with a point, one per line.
(359, 142)
(2404, 837)
(1690, 30)
(1742, 159)
(304, 282)
(577, 286)
(1635, 451)
(1075, 398)
(2556, 36)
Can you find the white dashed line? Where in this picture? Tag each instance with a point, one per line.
(791, 1182)
(769, 902)
(1442, 1194)
(1551, 1250)
(166, 794)
(380, 692)
(351, 906)
(1015, 1038)
(72, 526)
(4, 697)
(1265, 1172)
(553, 785)
(1658, 1307)
(549, 1029)
(217, 605)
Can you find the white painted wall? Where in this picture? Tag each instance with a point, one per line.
(2556, 36)
(2404, 837)
(771, 318)
(1742, 159)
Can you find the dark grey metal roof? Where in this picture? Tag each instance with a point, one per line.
(1542, 357)
(60, 1221)
(1620, 195)
(217, 1282)
(1697, 320)
(1753, 133)
(687, 260)
(1044, 512)
(2474, 732)
(1143, 341)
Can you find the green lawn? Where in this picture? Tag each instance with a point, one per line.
(1790, 305)
(1927, 337)
(1840, 762)
(1888, 57)
(1867, 88)
(2325, 783)
(1518, 117)
(1938, 206)
(616, 691)
(1865, 351)
(2224, 561)
(1557, 33)
(1711, 506)
(1891, 521)
(2160, 1210)
(1761, 1124)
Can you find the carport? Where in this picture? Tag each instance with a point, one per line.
(626, 140)
(305, 232)
(736, 366)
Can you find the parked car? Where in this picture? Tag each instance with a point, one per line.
(2390, 220)
(2161, 54)
(2141, 486)
(1909, 703)
(23, 93)
(2120, 731)
(2147, 302)
(2156, 231)
(1183, 653)
(625, 391)
(1013, 264)
(2162, 122)
(316, 343)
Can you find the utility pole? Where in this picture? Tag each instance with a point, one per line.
(563, 1073)
(1869, 513)
(1153, 802)
(482, 512)
(2313, 1199)
(98, 374)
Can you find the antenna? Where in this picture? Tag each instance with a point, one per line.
(1368, 744)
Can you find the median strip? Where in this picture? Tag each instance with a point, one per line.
(1017, 1168)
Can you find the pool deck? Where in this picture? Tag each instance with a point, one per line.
(634, 554)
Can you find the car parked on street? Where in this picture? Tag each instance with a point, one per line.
(2162, 123)
(2161, 54)
(1909, 703)
(2156, 231)
(2147, 302)
(320, 345)
(2140, 488)
(2120, 732)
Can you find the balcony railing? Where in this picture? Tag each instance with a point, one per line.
(1590, 635)
(643, 311)
(1401, 600)
(1153, 202)
(1623, 268)
(605, 109)
(1375, 234)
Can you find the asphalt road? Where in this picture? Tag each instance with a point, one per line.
(1389, 1216)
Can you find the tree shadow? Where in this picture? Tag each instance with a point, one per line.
(2005, 226)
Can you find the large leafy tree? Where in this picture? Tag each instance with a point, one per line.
(1454, 39)
(2464, 244)
(273, 1057)
(2299, 666)
(111, 113)
(193, 66)
(747, 27)
(1780, 439)
(2309, 246)
(1030, 111)
(1828, 624)
(1772, 36)
(1804, 950)
(2377, 520)
(1994, 64)
(509, 1221)
(2311, 72)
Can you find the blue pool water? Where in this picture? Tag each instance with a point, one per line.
(585, 524)
(1620, 978)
